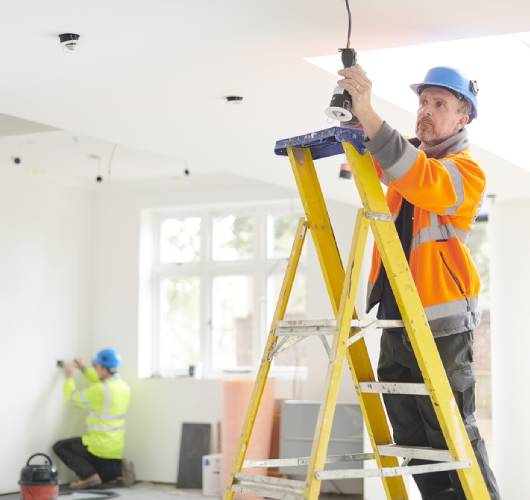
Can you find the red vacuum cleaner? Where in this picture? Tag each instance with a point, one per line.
(39, 481)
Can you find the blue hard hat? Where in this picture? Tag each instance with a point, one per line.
(108, 358)
(452, 79)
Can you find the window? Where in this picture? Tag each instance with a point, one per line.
(180, 240)
(233, 237)
(280, 233)
(232, 322)
(211, 282)
(179, 321)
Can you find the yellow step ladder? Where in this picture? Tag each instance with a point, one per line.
(348, 332)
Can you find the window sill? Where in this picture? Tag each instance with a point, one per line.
(280, 373)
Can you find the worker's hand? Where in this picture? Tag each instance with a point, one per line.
(78, 363)
(360, 88)
(68, 371)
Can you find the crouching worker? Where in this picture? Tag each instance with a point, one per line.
(97, 456)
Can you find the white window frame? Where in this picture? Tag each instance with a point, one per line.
(206, 269)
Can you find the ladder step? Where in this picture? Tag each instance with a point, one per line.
(395, 388)
(392, 471)
(329, 326)
(423, 453)
(387, 450)
(378, 323)
(292, 462)
(271, 487)
(306, 327)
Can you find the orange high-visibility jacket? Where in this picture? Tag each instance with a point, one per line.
(446, 185)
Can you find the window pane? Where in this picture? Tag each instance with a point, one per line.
(233, 237)
(179, 323)
(296, 309)
(180, 240)
(281, 230)
(479, 247)
(232, 322)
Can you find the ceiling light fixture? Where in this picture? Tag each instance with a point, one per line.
(234, 99)
(69, 40)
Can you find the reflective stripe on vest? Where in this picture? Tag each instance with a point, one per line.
(80, 395)
(105, 428)
(100, 416)
(105, 416)
(404, 164)
(106, 398)
(458, 185)
(435, 233)
(454, 308)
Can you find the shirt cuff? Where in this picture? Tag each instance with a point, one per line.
(380, 140)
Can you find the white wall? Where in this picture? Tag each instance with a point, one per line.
(160, 406)
(69, 268)
(510, 322)
(45, 309)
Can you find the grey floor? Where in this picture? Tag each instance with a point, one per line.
(154, 491)
(147, 491)
(150, 491)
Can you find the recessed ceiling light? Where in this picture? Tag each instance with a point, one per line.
(234, 99)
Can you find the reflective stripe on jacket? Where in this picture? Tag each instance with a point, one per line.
(107, 402)
(445, 185)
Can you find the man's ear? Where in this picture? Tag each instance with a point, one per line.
(463, 121)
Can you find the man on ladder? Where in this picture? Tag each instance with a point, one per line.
(435, 188)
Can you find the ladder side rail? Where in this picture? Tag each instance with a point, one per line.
(415, 321)
(333, 272)
(266, 360)
(361, 367)
(318, 222)
(334, 373)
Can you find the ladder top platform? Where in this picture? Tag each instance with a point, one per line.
(323, 143)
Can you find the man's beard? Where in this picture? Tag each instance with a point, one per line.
(425, 124)
(425, 132)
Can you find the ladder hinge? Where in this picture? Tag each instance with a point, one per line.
(378, 216)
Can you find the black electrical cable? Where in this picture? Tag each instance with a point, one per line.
(349, 23)
(110, 159)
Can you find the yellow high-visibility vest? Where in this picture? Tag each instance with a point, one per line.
(107, 402)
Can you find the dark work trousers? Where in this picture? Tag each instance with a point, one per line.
(413, 418)
(76, 456)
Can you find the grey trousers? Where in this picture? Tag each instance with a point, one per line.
(413, 419)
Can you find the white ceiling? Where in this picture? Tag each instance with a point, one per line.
(65, 154)
(151, 76)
